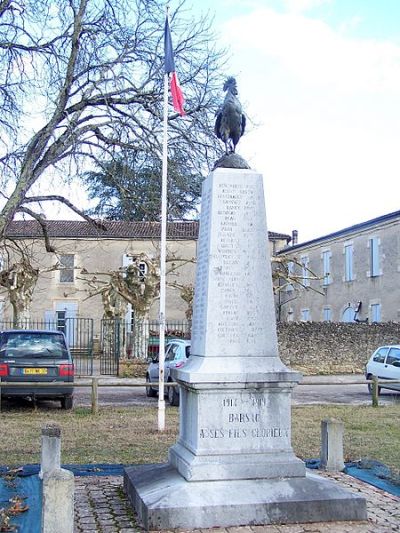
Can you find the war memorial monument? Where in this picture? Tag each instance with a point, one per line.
(233, 463)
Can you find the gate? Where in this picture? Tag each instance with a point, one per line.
(79, 334)
(112, 332)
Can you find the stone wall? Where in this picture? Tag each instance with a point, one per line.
(332, 347)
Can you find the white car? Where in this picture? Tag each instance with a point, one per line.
(384, 364)
(176, 353)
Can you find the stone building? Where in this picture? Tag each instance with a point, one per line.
(358, 271)
(83, 250)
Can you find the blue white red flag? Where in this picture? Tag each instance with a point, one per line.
(176, 92)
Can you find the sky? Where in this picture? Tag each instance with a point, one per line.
(319, 81)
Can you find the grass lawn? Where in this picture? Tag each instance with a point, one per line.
(130, 435)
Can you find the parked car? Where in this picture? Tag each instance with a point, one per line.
(176, 353)
(37, 356)
(384, 364)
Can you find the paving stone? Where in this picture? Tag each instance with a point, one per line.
(95, 492)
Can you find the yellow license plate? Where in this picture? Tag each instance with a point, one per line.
(35, 371)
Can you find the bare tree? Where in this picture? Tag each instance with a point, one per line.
(19, 273)
(290, 275)
(137, 284)
(81, 80)
(285, 274)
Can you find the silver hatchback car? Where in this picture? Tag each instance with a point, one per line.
(385, 364)
(176, 353)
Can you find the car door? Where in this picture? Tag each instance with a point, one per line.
(170, 358)
(376, 365)
(154, 367)
(392, 366)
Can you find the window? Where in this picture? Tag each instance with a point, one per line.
(290, 272)
(394, 357)
(375, 312)
(348, 262)
(142, 271)
(60, 319)
(141, 266)
(327, 313)
(171, 352)
(380, 355)
(305, 315)
(326, 267)
(305, 271)
(374, 257)
(349, 314)
(67, 268)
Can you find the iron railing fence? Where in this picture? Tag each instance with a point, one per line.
(134, 339)
(119, 338)
(78, 332)
(143, 338)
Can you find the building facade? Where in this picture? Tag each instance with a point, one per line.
(85, 254)
(352, 275)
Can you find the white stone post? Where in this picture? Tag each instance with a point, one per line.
(332, 445)
(57, 485)
(51, 449)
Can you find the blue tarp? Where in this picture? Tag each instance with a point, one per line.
(99, 469)
(27, 485)
(369, 471)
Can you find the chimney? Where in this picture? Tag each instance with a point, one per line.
(295, 237)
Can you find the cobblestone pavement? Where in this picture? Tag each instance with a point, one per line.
(101, 507)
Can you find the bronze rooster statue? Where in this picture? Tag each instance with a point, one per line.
(231, 122)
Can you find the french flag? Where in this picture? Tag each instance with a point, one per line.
(176, 92)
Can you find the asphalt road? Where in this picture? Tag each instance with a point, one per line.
(348, 392)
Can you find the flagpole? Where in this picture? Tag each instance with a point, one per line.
(163, 247)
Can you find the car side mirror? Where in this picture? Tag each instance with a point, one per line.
(396, 363)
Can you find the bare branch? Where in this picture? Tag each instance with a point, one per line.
(43, 225)
(56, 198)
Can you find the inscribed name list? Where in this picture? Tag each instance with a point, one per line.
(233, 280)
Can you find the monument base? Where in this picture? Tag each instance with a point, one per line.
(164, 500)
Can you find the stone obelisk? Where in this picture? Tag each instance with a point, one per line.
(233, 463)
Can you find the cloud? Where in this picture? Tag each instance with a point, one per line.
(299, 6)
(314, 53)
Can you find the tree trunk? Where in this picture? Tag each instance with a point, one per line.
(141, 337)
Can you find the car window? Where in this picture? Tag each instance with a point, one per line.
(380, 355)
(29, 344)
(172, 352)
(187, 350)
(393, 357)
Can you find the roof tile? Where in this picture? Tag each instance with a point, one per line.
(110, 229)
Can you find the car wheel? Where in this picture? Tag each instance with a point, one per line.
(67, 402)
(173, 396)
(370, 385)
(150, 392)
